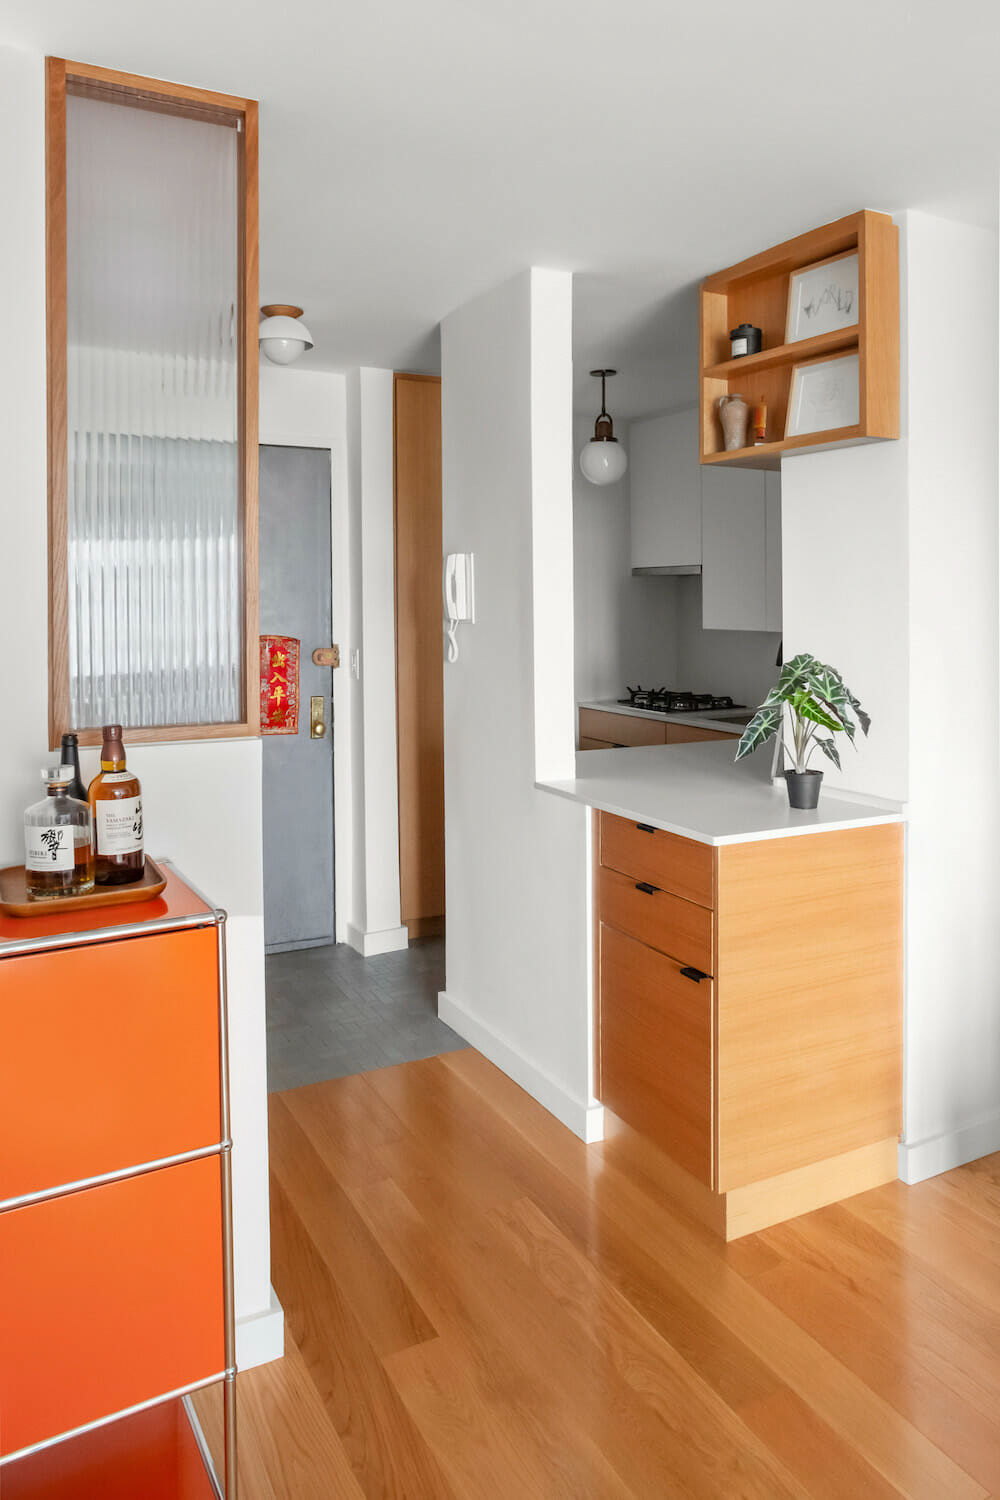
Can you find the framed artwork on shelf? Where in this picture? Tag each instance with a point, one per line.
(824, 396)
(823, 298)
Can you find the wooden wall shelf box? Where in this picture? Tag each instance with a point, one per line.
(756, 291)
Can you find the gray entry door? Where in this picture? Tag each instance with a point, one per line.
(298, 770)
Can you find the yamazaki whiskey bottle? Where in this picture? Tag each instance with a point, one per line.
(116, 804)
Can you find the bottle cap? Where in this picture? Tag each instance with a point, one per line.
(55, 774)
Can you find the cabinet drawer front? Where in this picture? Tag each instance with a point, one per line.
(663, 921)
(656, 1050)
(109, 1297)
(665, 860)
(109, 1057)
(620, 729)
(587, 744)
(687, 734)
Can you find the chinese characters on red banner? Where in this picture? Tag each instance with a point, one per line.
(279, 684)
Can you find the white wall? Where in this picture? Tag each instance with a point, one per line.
(625, 627)
(738, 662)
(891, 572)
(648, 629)
(952, 1101)
(516, 859)
(188, 788)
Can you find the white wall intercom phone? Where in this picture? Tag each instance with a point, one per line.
(459, 596)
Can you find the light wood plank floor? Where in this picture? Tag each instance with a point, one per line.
(480, 1307)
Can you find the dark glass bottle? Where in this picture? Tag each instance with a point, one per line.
(71, 757)
(116, 804)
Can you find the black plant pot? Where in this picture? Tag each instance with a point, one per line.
(803, 788)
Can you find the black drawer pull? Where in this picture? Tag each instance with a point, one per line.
(645, 828)
(644, 885)
(695, 974)
(615, 746)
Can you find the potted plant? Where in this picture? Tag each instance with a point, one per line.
(817, 698)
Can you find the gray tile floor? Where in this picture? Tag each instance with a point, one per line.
(331, 1012)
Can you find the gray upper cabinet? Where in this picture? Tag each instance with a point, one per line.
(741, 549)
(665, 491)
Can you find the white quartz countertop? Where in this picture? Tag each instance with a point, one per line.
(713, 718)
(698, 791)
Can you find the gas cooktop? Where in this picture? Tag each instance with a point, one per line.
(676, 701)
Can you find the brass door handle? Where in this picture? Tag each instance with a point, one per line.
(317, 724)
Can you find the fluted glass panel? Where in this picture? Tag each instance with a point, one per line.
(154, 511)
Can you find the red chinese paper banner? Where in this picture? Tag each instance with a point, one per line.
(279, 684)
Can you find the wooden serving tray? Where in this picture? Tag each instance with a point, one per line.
(14, 900)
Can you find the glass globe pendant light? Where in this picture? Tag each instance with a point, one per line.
(603, 460)
(282, 337)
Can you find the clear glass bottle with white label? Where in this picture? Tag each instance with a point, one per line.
(58, 848)
(116, 803)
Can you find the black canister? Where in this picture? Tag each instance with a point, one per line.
(744, 340)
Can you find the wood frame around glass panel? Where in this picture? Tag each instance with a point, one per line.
(149, 93)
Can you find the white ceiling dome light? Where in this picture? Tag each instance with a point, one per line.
(282, 336)
(603, 460)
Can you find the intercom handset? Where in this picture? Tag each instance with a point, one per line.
(459, 596)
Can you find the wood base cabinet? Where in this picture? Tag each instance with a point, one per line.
(749, 1012)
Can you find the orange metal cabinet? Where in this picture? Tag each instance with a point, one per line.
(130, 1274)
(116, 1279)
(128, 1052)
(150, 1456)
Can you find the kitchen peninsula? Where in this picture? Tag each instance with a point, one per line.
(748, 977)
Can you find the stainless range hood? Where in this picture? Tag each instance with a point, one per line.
(680, 568)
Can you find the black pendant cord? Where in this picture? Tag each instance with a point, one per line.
(604, 429)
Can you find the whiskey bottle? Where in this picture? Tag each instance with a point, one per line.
(71, 757)
(116, 803)
(58, 849)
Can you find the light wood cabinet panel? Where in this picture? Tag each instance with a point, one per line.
(419, 649)
(689, 734)
(589, 744)
(809, 992)
(665, 490)
(620, 729)
(661, 920)
(656, 1049)
(665, 860)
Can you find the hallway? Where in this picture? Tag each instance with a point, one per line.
(331, 1012)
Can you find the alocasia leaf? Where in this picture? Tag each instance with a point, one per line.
(830, 750)
(806, 705)
(765, 722)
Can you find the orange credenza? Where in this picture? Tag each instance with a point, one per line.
(115, 1218)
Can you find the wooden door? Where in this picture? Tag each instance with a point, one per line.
(419, 653)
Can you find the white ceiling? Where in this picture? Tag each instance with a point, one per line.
(413, 155)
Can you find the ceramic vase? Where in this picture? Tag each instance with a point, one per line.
(734, 414)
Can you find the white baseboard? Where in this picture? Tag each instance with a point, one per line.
(260, 1337)
(919, 1160)
(585, 1120)
(371, 944)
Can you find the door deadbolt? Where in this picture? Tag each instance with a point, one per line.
(317, 723)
